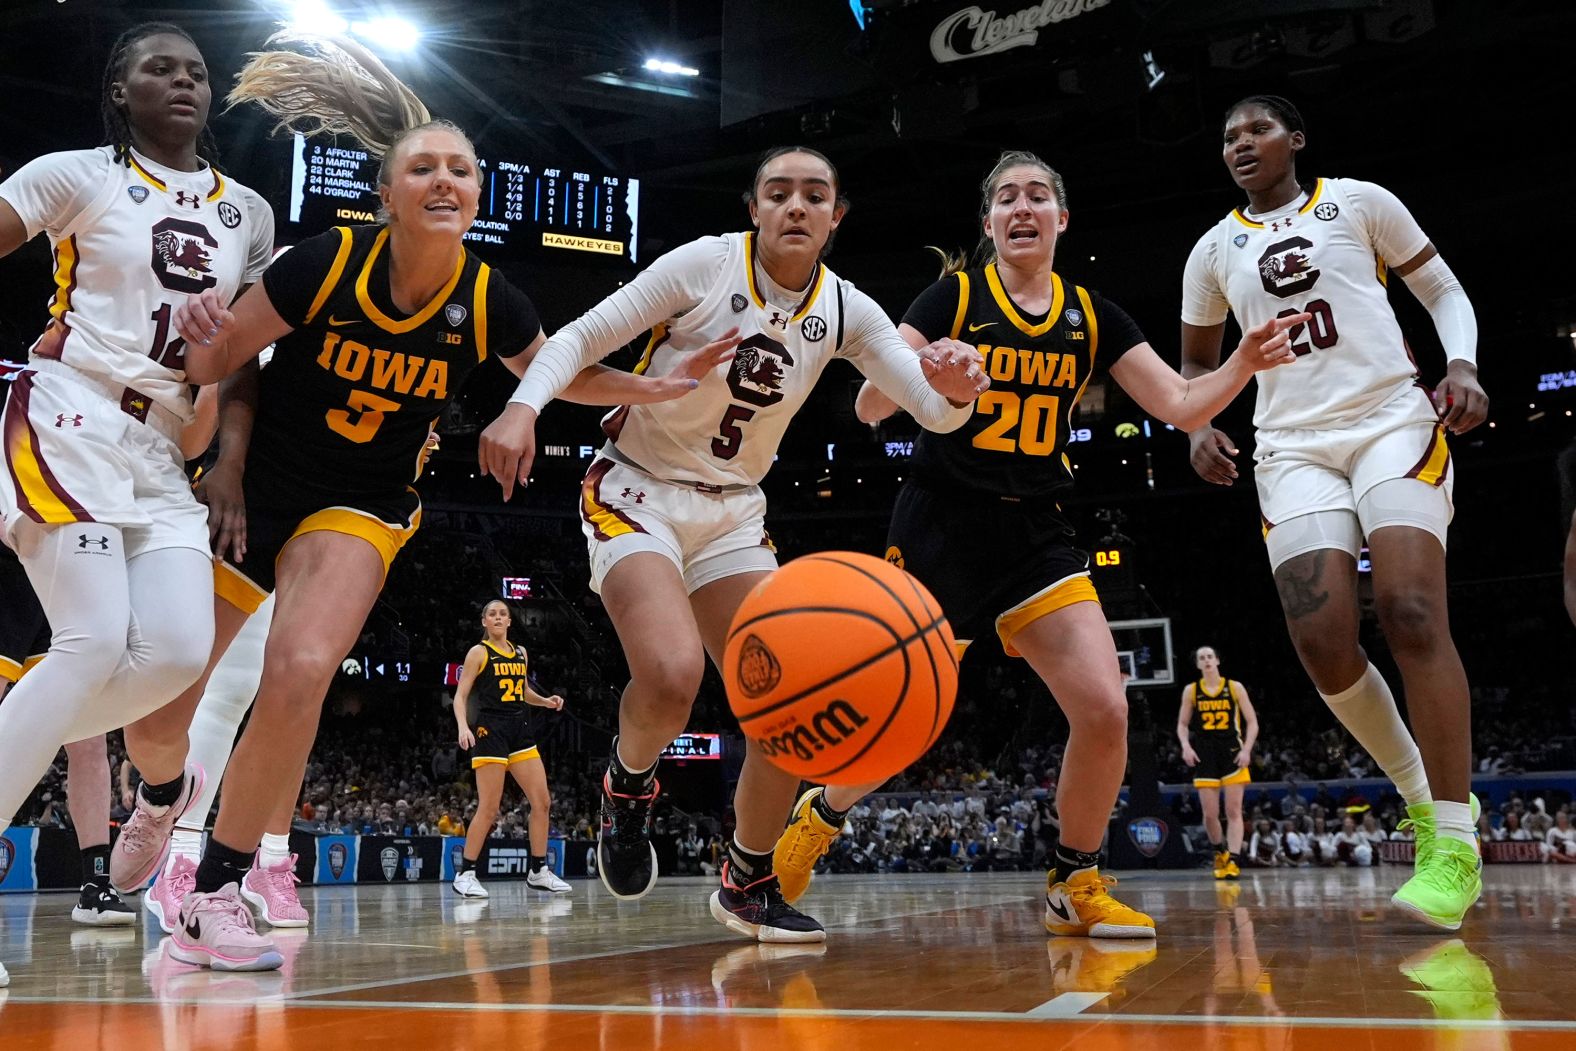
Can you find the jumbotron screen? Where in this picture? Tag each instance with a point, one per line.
(524, 206)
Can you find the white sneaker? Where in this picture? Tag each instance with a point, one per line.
(468, 886)
(5, 979)
(543, 879)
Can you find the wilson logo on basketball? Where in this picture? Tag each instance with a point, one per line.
(759, 672)
(831, 726)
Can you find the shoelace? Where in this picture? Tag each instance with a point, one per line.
(1455, 871)
(283, 880)
(631, 814)
(1100, 888)
(808, 845)
(232, 913)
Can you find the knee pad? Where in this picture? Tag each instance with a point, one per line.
(1406, 502)
(1318, 531)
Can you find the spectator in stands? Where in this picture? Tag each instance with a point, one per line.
(1538, 822)
(1321, 841)
(1294, 844)
(1559, 842)
(1264, 849)
(1351, 846)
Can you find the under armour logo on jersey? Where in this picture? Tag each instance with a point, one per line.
(183, 198)
(1277, 224)
(61, 419)
(83, 540)
(631, 494)
(778, 320)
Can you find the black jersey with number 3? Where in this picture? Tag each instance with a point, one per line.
(502, 683)
(350, 395)
(1015, 443)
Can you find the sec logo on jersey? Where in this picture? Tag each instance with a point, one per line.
(1327, 211)
(814, 329)
(229, 215)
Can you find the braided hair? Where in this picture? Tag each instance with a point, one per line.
(1284, 111)
(117, 126)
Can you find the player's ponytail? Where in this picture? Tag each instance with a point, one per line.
(334, 86)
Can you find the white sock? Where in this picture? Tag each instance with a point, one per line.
(185, 843)
(1367, 709)
(1454, 821)
(274, 850)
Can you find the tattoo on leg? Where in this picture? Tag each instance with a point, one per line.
(1301, 586)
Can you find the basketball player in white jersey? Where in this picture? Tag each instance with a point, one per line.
(672, 507)
(93, 496)
(1352, 448)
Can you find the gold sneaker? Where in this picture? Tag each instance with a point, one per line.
(1083, 907)
(804, 842)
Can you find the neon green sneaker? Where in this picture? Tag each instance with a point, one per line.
(1456, 982)
(1449, 878)
(1420, 819)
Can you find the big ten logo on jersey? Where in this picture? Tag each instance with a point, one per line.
(408, 374)
(756, 378)
(182, 252)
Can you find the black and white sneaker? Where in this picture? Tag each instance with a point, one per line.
(100, 906)
(757, 910)
(626, 862)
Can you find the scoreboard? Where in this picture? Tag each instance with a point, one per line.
(524, 206)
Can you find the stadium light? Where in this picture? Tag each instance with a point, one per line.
(663, 65)
(395, 34)
(315, 16)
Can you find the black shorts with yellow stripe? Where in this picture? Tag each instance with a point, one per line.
(1217, 762)
(24, 630)
(385, 522)
(992, 562)
(503, 738)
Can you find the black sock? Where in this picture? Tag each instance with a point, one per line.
(824, 811)
(467, 865)
(165, 794)
(1218, 848)
(627, 782)
(1069, 861)
(747, 866)
(221, 865)
(538, 862)
(95, 864)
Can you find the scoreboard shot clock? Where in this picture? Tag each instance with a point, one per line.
(524, 207)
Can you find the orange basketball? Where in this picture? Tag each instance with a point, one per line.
(841, 668)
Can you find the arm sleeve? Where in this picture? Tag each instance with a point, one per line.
(1203, 300)
(260, 252)
(293, 281)
(936, 309)
(676, 282)
(51, 191)
(1393, 233)
(876, 349)
(513, 323)
(1119, 333)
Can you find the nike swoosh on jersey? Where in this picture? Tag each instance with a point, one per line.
(976, 328)
(334, 322)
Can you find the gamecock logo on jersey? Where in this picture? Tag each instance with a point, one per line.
(182, 252)
(1286, 268)
(756, 377)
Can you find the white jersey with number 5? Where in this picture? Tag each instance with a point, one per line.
(131, 242)
(1324, 253)
(727, 431)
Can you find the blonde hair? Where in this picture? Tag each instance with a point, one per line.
(334, 86)
(984, 253)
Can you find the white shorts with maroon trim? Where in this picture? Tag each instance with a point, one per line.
(72, 454)
(707, 535)
(1299, 472)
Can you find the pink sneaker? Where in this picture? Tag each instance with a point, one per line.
(164, 898)
(216, 931)
(145, 837)
(273, 891)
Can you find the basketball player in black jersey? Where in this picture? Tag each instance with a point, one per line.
(979, 523)
(496, 676)
(377, 327)
(1217, 727)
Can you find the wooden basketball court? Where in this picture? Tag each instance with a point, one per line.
(1296, 959)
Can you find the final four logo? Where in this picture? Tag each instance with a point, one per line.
(1148, 835)
(454, 314)
(7, 855)
(338, 854)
